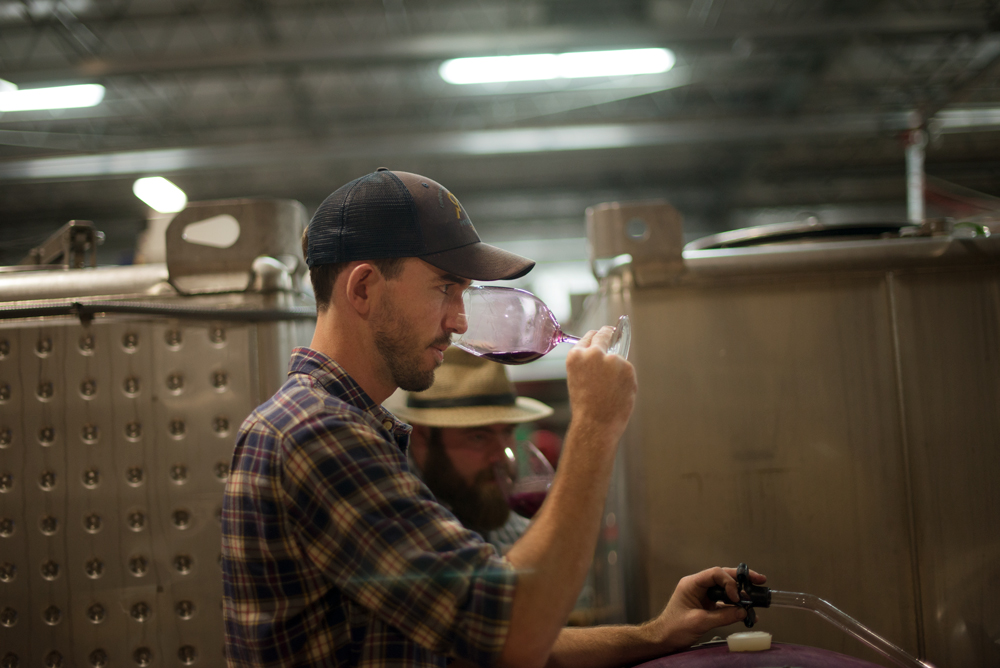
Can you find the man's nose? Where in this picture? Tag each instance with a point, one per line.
(496, 452)
(457, 321)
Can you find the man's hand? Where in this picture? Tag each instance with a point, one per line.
(687, 616)
(690, 613)
(601, 387)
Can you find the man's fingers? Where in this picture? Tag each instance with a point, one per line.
(600, 338)
(726, 615)
(726, 578)
(755, 577)
(586, 339)
(721, 577)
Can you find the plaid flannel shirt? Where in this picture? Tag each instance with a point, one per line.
(335, 554)
(503, 538)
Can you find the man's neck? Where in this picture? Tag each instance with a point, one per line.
(355, 352)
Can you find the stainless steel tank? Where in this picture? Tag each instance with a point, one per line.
(826, 411)
(121, 389)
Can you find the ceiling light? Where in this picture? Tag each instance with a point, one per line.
(542, 66)
(60, 97)
(160, 194)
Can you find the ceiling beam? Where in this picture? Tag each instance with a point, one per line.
(476, 143)
(431, 47)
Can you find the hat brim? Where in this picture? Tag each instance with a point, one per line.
(480, 262)
(525, 409)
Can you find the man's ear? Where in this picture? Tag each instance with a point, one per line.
(363, 281)
(418, 444)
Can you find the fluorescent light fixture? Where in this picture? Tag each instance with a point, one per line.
(160, 194)
(543, 66)
(60, 97)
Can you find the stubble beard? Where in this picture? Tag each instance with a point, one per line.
(398, 346)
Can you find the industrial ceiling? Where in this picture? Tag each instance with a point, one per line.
(773, 106)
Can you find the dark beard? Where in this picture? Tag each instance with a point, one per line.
(481, 506)
(400, 351)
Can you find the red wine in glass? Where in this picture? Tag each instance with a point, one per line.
(516, 357)
(513, 326)
(526, 504)
(525, 478)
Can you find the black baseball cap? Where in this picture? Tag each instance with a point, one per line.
(398, 214)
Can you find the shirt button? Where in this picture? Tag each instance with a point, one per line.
(388, 425)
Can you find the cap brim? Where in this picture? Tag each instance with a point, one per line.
(525, 409)
(480, 262)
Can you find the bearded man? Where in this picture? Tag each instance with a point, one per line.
(335, 554)
(462, 428)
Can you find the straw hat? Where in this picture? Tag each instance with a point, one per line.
(468, 391)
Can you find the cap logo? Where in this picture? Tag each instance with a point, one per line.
(458, 207)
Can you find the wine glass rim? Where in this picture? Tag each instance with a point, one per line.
(500, 287)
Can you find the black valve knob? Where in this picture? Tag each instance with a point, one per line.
(751, 595)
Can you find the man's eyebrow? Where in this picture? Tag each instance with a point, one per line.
(504, 426)
(480, 430)
(455, 279)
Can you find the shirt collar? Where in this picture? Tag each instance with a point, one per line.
(339, 383)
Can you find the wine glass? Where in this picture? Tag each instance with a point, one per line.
(513, 326)
(524, 476)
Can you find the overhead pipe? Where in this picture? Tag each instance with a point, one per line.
(916, 142)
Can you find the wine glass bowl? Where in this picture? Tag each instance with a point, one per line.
(524, 476)
(513, 326)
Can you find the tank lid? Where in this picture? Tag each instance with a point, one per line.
(811, 231)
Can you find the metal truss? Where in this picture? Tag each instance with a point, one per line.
(241, 92)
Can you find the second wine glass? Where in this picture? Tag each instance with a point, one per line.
(524, 476)
(513, 326)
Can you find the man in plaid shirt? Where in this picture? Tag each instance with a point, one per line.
(335, 553)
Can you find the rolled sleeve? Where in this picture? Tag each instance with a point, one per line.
(377, 533)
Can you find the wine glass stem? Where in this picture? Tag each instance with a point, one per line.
(566, 338)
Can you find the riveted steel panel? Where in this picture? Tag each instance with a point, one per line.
(769, 435)
(120, 399)
(827, 413)
(949, 340)
(115, 444)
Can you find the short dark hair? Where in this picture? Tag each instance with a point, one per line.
(323, 276)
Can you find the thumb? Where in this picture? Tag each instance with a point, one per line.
(725, 616)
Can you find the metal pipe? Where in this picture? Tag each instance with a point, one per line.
(28, 284)
(88, 310)
(916, 142)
